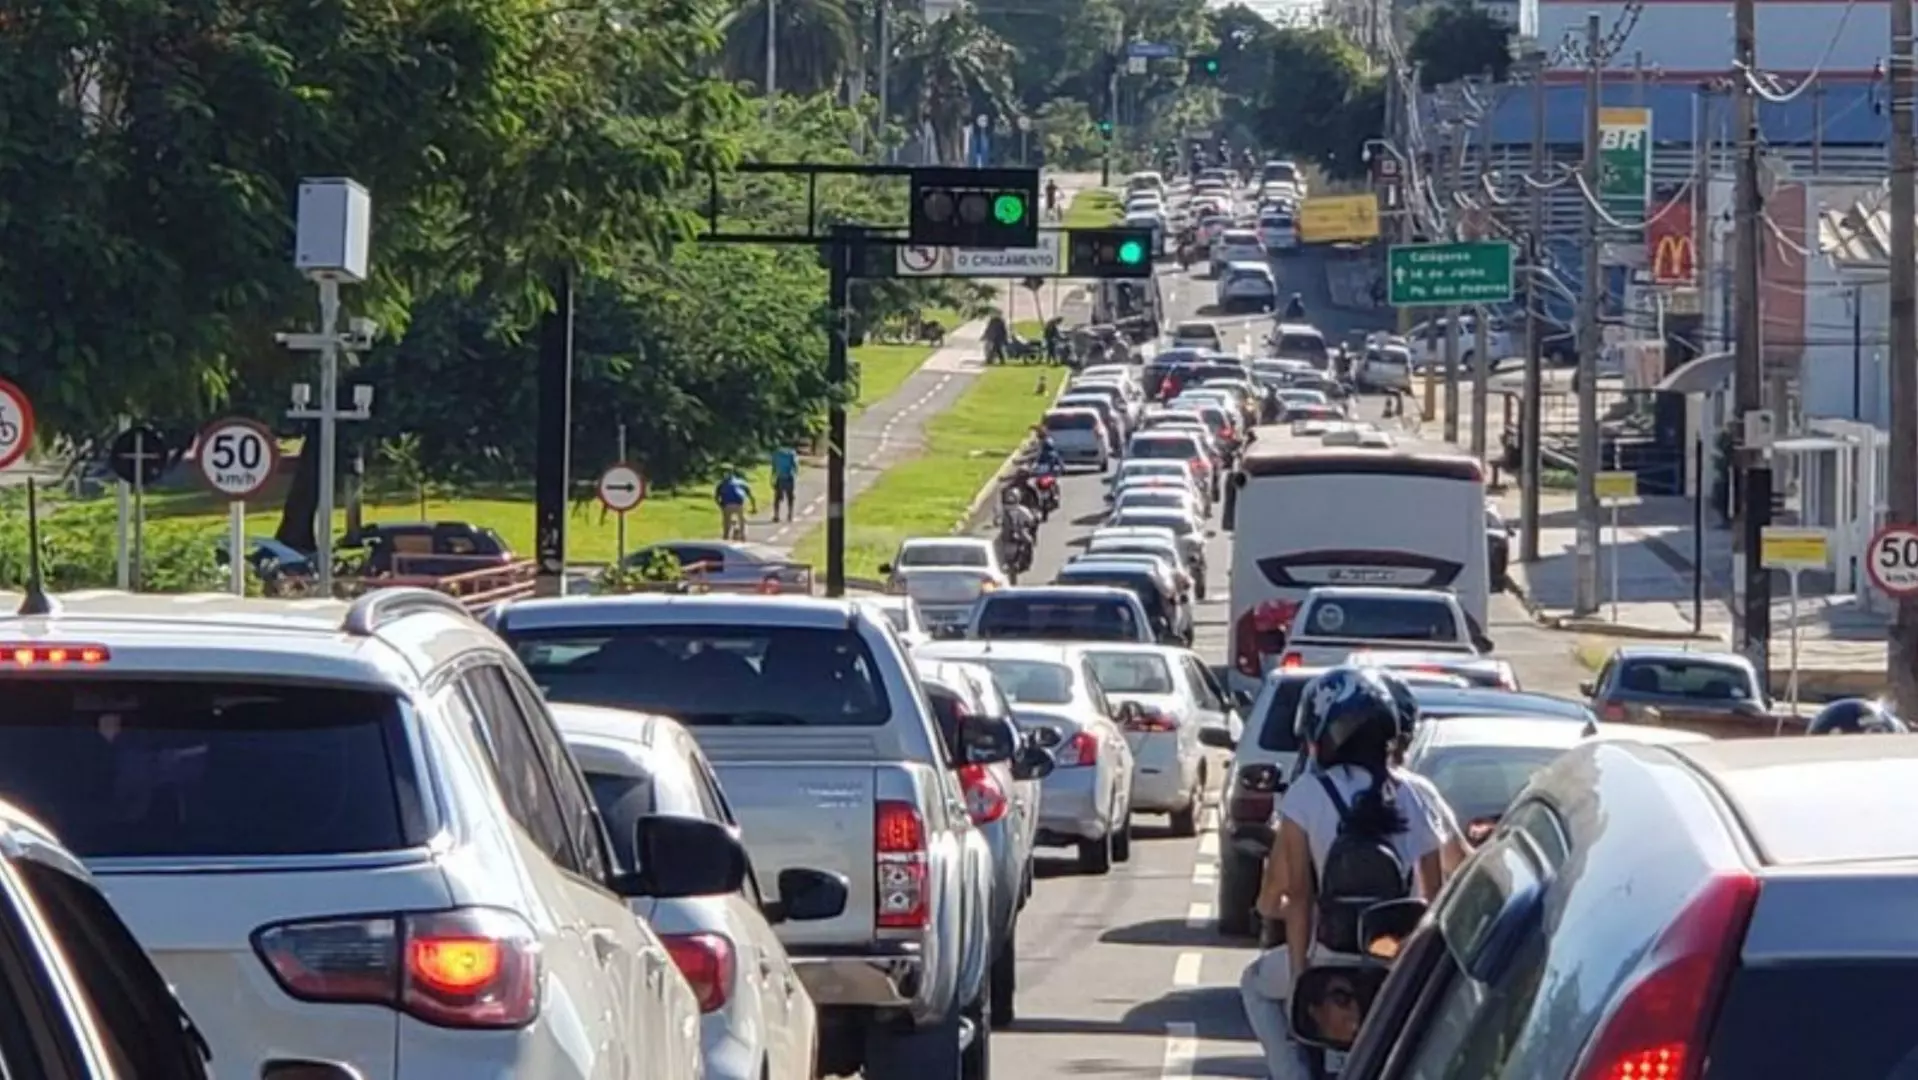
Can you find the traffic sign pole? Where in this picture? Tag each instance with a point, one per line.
(237, 458)
(1793, 551)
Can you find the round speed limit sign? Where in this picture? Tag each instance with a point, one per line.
(1893, 561)
(237, 457)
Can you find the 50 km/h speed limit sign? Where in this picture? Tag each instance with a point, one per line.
(1893, 560)
(16, 424)
(237, 457)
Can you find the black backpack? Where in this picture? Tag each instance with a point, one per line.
(1359, 871)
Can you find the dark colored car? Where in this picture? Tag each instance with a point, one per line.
(432, 548)
(1498, 546)
(1171, 619)
(1717, 693)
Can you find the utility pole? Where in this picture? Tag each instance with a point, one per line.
(884, 72)
(847, 254)
(1585, 548)
(1748, 380)
(1528, 467)
(772, 53)
(1901, 659)
(1453, 313)
(1702, 210)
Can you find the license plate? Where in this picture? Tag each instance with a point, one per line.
(1334, 1062)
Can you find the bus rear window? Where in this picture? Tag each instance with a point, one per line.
(1020, 618)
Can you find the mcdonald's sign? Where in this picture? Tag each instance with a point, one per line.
(1669, 244)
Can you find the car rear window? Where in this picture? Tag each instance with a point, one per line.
(1030, 682)
(1481, 781)
(177, 768)
(1818, 1017)
(1058, 619)
(1180, 524)
(1072, 421)
(1137, 582)
(1702, 679)
(1301, 345)
(1276, 221)
(712, 675)
(1132, 673)
(943, 555)
(1281, 711)
(1164, 448)
(1379, 618)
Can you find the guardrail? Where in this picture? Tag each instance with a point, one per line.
(478, 589)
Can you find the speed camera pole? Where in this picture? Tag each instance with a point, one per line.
(1585, 546)
(1902, 657)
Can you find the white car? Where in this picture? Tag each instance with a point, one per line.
(349, 833)
(1248, 285)
(1335, 620)
(1197, 335)
(1080, 436)
(1137, 497)
(1177, 698)
(944, 575)
(904, 615)
(1385, 366)
(758, 1021)
(1235, 246)
(1427, 342)
(1179, 471)
(1152, 220)
(1164, 559)
(1278, 230)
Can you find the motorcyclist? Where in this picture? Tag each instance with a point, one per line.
(1855, 716)
(1045, 452)
(1295, 308)
(1018, 528)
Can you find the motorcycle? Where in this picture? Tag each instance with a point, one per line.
(1015, 554)
(1046, 483)
(1330, 1001)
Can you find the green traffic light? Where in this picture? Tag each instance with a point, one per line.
(1211, 67)
(1009, 209)
(1131, 253)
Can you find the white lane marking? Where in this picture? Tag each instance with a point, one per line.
(1209, 845)
(1205, 873)
(1185, 971)
(1198, 914)
(1181, 1051)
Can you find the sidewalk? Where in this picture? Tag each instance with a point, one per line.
(1841, 644)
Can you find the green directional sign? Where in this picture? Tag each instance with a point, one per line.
(1473, 272)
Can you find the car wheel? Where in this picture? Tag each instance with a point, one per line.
(1095, 856)
(1238, 891)
(975, 1061)
(1122, 838)
(1005, 981)
(1185, 820)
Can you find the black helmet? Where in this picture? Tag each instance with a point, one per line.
(1402, 697)
(1344, 705)
(1855, 716)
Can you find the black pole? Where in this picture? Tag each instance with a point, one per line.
(847, 242)
(1857, 354)
(1112, 120)
(1699, 485)
(1528, 419)
(553, 459)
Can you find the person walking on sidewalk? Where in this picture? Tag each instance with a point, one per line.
(995, 339)
(733, 496)
(785, 477)
(1052, 198)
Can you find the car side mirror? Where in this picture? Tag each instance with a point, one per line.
(1587, 688)
(683, 856)
(1033, 762)
(987, 740)
(1329, 1004)
(807, 895)
(284, 1069)
(1384, 927)
(1217, 738)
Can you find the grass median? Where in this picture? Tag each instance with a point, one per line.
(927, 494)
(1094, 208)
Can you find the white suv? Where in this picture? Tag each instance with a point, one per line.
(351, 834)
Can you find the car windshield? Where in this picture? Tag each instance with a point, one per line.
(943, 555)
(1132, 673)
(712, 675)
(1381, 618)
(1030, 682)
(1481, 781)
(177, 767)
(1058, 619)
(1701, 679)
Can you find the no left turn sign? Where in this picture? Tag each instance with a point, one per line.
(16, 423)
(917, 259)
(237, 457)
(621, 488)
(1893, 559)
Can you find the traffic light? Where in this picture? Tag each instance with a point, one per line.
(1202, 67)
(975, 208)
(1109, 253)
(1105, 128)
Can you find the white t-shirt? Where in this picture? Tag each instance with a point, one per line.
(1442, 815)
(1307, 804)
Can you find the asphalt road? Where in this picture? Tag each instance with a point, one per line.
(1124, 976)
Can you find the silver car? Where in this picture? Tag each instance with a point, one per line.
(1086, 802)
(1178, 699)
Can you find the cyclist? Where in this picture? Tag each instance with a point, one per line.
(734, 495)
(785, 477)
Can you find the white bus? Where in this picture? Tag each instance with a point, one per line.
(1305, 516)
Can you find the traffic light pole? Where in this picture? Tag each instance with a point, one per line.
(846, 255)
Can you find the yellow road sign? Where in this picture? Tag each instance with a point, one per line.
(1782, 548)
(1331, 218)
(1616, 486)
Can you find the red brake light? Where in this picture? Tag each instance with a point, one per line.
(1613, 712)
(1150, 720)
(1658, 1029)
(1081, 749)
(984, 800)
(899, 846)
(467, 968)
(709, 964)
(1292, 660)
(26, 656)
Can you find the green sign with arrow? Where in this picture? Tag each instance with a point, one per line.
(1472, 272)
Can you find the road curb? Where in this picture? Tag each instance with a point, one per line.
(986, 490)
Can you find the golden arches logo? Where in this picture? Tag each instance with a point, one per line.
(1673, 260)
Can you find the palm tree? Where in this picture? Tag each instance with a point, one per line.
(948, 72)
(818, 43)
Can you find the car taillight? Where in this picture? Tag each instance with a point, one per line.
(899, 847)
(26, 656)
(1506, 679)
(1200, 464)
(466, 968)
(1292, 660)
(985, 802)
(709, 964)
(1254, 793)
(1613, 712)
(1148, 720)
(1659, 1028)
(1082, 749)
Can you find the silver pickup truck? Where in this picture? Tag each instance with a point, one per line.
(830, 757)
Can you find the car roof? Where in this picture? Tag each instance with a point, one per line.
(571, 611)
(1061, 592)
(1493, 731)
(621, 725)
(1671, 652)
(1034, 651)
(1817, 801)
(1096, 565)
(930, 541)
(1479, 701)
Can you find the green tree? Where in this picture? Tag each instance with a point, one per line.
(1314, 73)
(818, 41)
(949, 72)
(1456, 40)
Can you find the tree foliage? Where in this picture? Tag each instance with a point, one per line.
(1458, 39)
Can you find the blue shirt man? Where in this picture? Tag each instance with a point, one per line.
(785, 477)
(733, 495)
